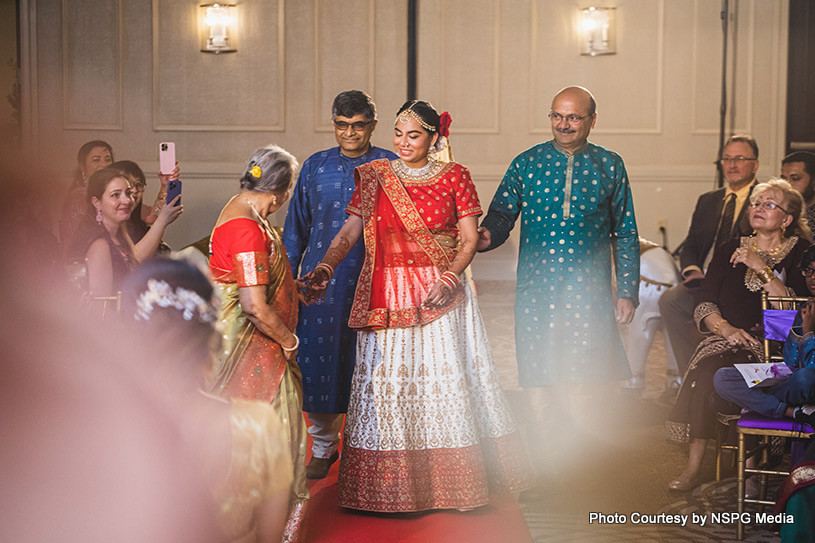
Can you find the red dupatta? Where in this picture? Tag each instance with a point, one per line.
(403, 259)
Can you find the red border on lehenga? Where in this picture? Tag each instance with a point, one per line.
(418, 480)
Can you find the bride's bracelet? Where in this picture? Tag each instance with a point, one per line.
(327, 268)
(296, 344)
(450, 279)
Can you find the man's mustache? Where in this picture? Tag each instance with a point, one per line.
(565, 130)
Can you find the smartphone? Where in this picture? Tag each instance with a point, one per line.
(173, 190)
(166, 157)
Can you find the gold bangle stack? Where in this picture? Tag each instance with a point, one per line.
(766, 275)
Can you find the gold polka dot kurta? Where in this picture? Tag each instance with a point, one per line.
(575, 211)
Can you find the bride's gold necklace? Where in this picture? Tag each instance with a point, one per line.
(429, 170)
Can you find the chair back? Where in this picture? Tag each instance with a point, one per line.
(778, 322)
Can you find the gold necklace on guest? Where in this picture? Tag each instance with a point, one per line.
(263, 221)
(752, 281)
(771, 252)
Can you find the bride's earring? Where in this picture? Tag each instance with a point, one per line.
(98, 216)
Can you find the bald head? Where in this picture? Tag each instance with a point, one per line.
(580, 95)
(573, 116)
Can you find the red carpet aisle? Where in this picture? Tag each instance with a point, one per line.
(327, 522)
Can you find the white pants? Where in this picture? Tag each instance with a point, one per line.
(325, 431)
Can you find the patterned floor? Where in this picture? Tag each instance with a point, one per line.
(607, 454)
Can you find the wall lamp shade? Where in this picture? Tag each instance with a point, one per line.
(218, 24)
(598, 33)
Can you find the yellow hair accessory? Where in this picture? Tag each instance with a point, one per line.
(256, 172)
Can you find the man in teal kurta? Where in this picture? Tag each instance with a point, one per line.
(576, 214)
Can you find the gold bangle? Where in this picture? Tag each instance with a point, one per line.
(717, 325)
(769, 275)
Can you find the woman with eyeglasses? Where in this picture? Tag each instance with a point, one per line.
(728, 307)
(428, 426)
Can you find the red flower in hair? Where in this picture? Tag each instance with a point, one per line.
(444, 124)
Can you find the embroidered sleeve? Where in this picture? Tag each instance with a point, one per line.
(466, 196)
(355, 205)
(249, 248)
(251, 268)
(701, 311)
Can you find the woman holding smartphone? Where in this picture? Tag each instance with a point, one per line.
(109, 251)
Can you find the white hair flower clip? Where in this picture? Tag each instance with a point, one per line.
(160, 294)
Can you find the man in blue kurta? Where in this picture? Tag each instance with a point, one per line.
(316, 213)
(574, 204)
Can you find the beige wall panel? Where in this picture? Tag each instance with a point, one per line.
(460, 59)
(241, 91)
(390, 75)
(344, 52)
(91, 64)
(628, 84)
(707, 50)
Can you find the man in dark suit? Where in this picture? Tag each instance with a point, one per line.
(719, 216)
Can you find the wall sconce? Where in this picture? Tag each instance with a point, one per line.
(218, 24)
(598, 34)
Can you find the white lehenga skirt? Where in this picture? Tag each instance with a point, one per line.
(428, 426)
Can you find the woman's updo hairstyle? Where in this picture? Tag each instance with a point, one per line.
(99, 181)
(270, 169)
(427, 116)
(171, 306)
(791, 201)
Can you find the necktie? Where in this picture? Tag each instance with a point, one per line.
(726, 223)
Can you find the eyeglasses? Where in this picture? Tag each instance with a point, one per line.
(807, 272)
(358, 126)
(769, 206)
(137, 188)
(737, 160)
(571, 119)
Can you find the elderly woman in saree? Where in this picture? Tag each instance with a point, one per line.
(258, 313)
(428, 426)
(728, 307)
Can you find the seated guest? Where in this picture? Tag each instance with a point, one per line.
(241, 444)
(798, 169)
(728, 305)
(92, 156)
(718, 217)
(136, 225)
(785, 398)
(109, 252)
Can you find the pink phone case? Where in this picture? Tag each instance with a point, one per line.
(166, 157)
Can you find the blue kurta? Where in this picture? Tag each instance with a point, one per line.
(316, 213)
(572, 209)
